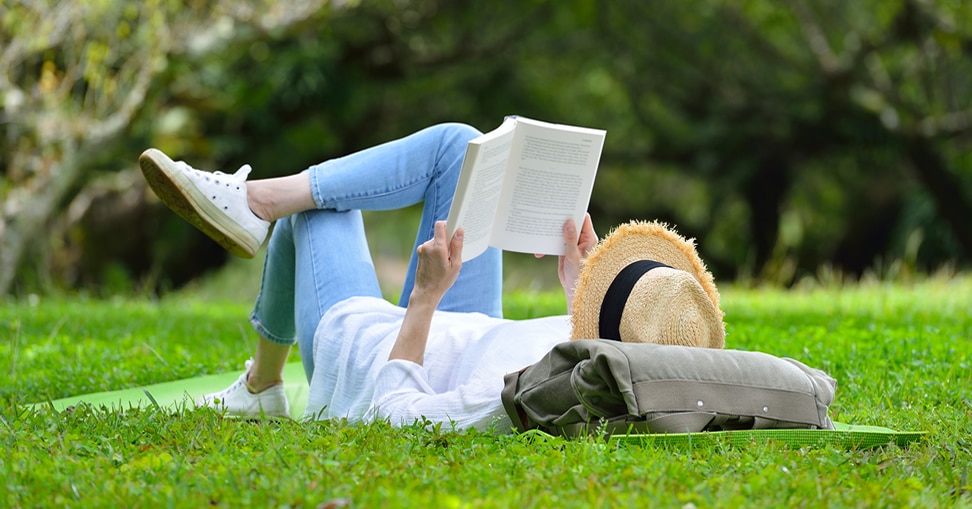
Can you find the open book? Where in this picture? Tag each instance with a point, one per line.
(520, 183)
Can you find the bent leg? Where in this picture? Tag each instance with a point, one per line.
(422, 167)
(479, 287)
(320, 257)
(315, 259)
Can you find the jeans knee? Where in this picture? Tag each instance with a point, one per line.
(455, 132)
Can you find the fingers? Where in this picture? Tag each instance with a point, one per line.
(570, 233)
(571, 239)
(583, 242)
(449, 253)
(455, 247)
(452, 249)
(437, 243)
(588, 227)
(439, 262)
(588, 238)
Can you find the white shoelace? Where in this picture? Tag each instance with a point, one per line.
(240, 174)
(241, 381)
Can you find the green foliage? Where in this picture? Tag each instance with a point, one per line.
(901, 354)
(783, 136)
(731, 120)
(799, 126)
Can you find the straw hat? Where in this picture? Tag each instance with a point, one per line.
(645, 283)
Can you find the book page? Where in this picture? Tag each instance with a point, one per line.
(478, 190)
(550, 176)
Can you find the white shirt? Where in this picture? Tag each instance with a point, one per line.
(459, 382)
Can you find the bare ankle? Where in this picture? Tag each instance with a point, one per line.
(256, 200)
(257, 385)
(275, 198)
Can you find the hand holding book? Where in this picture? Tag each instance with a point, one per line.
(521, 182)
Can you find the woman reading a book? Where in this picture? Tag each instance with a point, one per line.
(440, 354)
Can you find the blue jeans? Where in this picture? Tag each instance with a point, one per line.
(318, 258)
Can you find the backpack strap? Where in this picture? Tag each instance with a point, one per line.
(515, 411)
(682, 422)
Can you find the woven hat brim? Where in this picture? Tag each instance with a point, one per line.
(630, 242)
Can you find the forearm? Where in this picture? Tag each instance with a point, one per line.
(414, 334)
(438, 267)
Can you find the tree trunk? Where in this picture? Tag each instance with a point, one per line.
(944, 187)
(764, 193)
(70, 115)
(30, 214)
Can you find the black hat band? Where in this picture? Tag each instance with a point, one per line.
(609, 320)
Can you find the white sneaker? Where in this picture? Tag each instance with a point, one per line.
(213, 202)
(237, 400)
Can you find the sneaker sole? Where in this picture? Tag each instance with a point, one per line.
(251, 417)
(238, 414)
(178, 193)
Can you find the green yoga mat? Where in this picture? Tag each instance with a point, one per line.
(849, 436)
(184, 392)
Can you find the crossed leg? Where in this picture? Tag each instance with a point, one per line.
(318, 254)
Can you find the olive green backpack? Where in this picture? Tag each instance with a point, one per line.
(610, 387)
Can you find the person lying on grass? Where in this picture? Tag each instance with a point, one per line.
(441, 353)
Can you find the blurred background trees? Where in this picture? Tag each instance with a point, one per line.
(784, 136)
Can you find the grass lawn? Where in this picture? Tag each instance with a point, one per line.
(900, 353)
